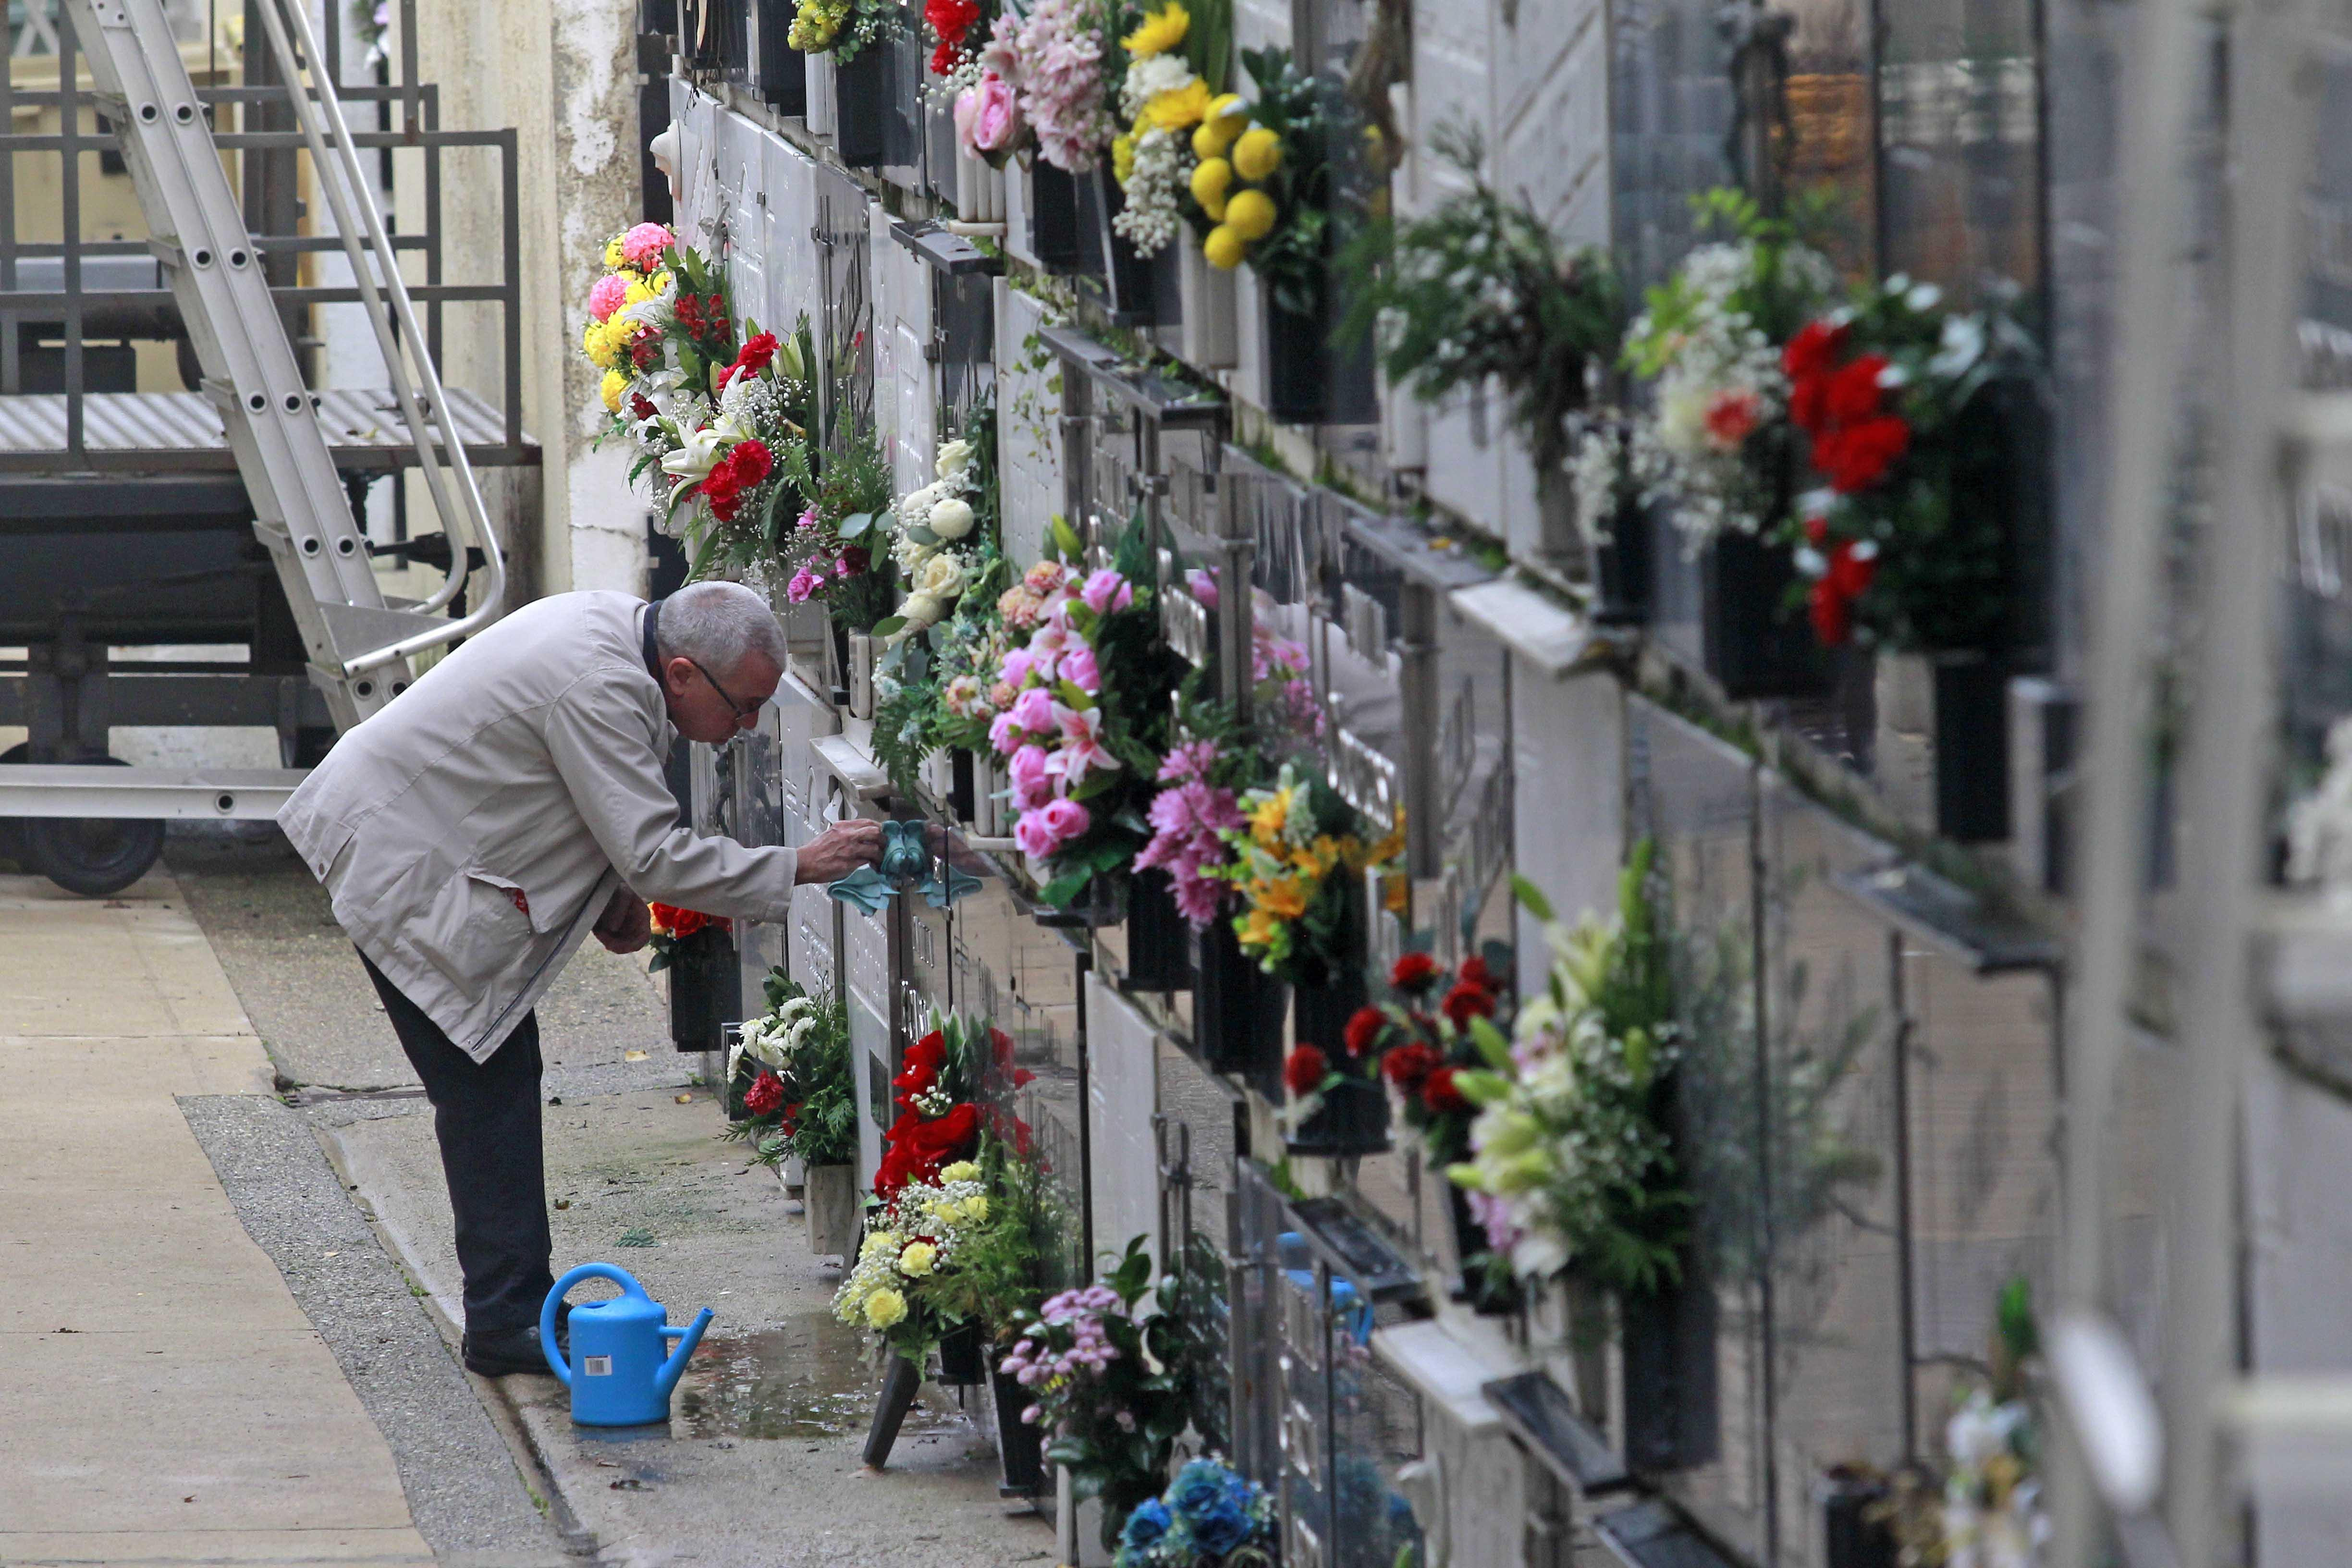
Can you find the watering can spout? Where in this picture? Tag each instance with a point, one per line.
(687, 1338)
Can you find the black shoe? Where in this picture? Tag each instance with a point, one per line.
(504, 1352)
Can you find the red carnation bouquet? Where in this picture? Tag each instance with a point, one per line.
(1903, 545)
(1427, 1034)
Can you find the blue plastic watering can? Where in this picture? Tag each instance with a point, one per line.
(618, 1374)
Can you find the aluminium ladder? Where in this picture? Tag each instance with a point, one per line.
(2156, 1461)
(355, 642)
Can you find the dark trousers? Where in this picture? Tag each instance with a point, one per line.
(486, 1115)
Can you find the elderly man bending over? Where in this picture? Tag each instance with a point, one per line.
(474, 832)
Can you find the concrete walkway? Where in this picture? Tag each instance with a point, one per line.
(163, 1399)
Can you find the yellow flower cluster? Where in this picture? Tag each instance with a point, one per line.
(1284, 859)
(1231, 153)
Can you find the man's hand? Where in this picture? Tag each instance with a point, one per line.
(839, 850)
(626, 924)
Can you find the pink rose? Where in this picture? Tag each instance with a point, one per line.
(1204, 584)
(1067, 819)
(804, 582)
(611, 292)
(1027, 769)
(1036, 839)
(643, 245)
(1044, 577)
(1035, 711)
(1017, 665)
(1107, 591)
(1004, 734)
(1078, 668)
(998, 119)
(986, 116)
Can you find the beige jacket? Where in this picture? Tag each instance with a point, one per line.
(472, 832)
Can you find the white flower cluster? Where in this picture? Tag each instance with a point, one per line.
(918, 1238)
(1151, 218)
(935, 526)
(1723, 383)
(1570, 1134)
(1150, 77)
(773, 1038)
(1601, 471)
(2319, 829)
(1993, 1502)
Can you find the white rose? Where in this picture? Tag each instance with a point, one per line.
(954, 457)
(922, 610)
(952, 518)
(911, 555)
(916, 506)
(940, 578)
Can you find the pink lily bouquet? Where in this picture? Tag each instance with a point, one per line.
(1084, 677)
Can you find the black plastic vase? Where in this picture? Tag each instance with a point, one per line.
(959, 1361)
(1352, 1121)
(1237, 1008)
(1053, 217)
(1020, 1446)
(1620, 570)
(706, 990)
(1756, 643)
(1158, 938)
(861, 96)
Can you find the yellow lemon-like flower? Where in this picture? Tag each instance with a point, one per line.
(1250, 214)
(1229, 114)
(1284, 900)
(1161, 31)
(918, 1259)
(885, 1309)
(1225, 249)
(1212, 178)
(1179, 107)
(613, 259)
(961, 1171)
(1122, 159)
(1258, 153)
(615, 383)
(1266, 820)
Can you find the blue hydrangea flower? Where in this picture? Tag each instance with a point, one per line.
(1214, 1509)
(1145, 1526)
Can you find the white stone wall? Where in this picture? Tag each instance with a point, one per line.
(1028, 429)
(562, 72)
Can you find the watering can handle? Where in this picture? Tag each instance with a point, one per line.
(613, 1272)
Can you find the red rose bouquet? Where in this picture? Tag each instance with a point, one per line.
(1903, 545)
(1425, 1035)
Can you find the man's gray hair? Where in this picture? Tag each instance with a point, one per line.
(718, 625)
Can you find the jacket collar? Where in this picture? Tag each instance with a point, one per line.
(653, 655)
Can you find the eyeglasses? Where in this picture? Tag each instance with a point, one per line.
(743, 715)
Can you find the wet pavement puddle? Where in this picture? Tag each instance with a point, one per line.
(814, 1379)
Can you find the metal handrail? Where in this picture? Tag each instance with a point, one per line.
(340, 174)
